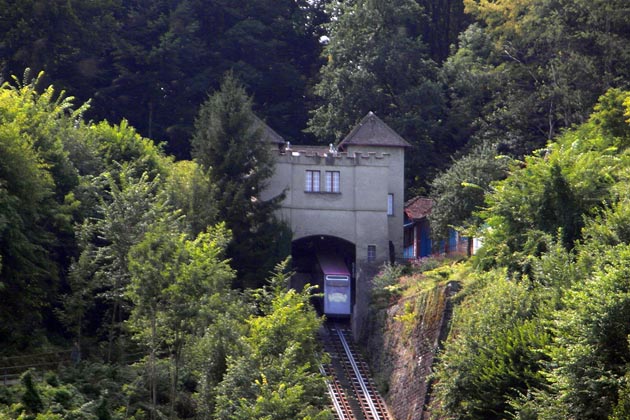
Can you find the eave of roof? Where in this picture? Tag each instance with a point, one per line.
(418, 207)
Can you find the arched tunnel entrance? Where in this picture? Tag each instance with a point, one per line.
(307, 267)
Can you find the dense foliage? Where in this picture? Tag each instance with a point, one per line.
(227, 144)
(153, 62)
(459, 193)
(108, 244)
(543, 333)
(378, 61)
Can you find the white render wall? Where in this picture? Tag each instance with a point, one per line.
(358, 213)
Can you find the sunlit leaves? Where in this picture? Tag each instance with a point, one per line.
(558, 225)
(277, 375)
(495, 352)
(36, 207)
(591, 348)
(555, 188)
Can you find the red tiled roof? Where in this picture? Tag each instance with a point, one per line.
(418, 207)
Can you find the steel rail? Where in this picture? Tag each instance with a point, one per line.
(334, 396)
(358, 375)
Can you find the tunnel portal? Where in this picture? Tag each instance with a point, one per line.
(304, 253)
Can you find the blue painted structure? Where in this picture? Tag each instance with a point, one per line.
(417, 242)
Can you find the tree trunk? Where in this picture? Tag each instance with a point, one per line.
(152, 379)
(176, 358)
(112, 333)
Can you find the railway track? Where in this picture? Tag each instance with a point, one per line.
(351, 389)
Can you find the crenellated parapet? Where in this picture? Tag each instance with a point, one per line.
(352, 191)
(299, 156)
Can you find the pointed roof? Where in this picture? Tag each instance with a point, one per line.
(418, 207)
(372, 131)
(268, 133)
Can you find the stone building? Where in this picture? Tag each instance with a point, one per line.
(345, 199)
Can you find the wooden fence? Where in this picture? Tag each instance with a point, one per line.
(11, 368)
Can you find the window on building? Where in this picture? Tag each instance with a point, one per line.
(390, 204)
(312, 181)
(332, 181)
(371, 253)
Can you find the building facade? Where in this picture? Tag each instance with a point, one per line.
(418, 242)
(350, 194)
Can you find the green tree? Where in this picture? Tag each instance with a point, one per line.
(117, 144)
(377, 61)
(445, 20)
(459, 192)
(154, 264)
(180, 289)
(495, 352)
(69, 40)
(199, 304)
(555, 188)
(471, 82)
(545, 335)
(591, 348)
(552, 60)
(127, 208)
(277, 375)
(273, 48)
(191, 190)
(208, 356)
(152, 62)
(37, 204)
(587, 355)
(229, 145)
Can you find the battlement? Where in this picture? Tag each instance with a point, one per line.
(313, 156)
(345, 198)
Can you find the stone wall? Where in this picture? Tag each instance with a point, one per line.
(402, 345)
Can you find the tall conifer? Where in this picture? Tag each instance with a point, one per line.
(228, 143)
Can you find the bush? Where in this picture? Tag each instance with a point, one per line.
(495, 352)
(31, 399)
(385, 284)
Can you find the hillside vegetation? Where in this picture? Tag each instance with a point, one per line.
(541, 331)
(112, 249)
(131, 227)
(537, 320)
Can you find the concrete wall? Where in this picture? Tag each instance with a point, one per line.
(395, 185)
(358, 213)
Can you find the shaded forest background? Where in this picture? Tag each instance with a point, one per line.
(128, 165)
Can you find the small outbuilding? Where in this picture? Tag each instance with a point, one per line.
(417, 241)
